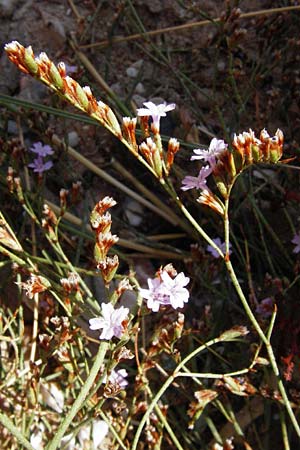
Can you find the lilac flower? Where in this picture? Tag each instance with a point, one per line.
(118, 377)
(176, 289)
(156, 112)
(296, 241)
(71, 69)
(111, 321)
(41, 150)
(221, 245)
(198, 182)
(39, 166)
(165, 290)
(265, 307)
(155, 295)
(216, 147)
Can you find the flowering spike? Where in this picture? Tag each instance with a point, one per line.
(55, 77)
(152, 155)
(103, 244)
(108, 267)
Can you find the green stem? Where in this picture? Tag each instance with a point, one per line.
(164, 387)
(191, 219)
(54, 444)
(267, 343)
(226, 227)
(265, 338)
(7, 423)
(12, 256)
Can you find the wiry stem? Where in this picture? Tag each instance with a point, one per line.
(267, 343)
(54, 444)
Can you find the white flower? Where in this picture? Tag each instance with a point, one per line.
(176, 288)
(36, 437)
(97, 430)
(111, 321)
(165, 290)
(53, 396)
(100, 430)
(68, 443)
(155, 295)
(216, 147)
(156, 112)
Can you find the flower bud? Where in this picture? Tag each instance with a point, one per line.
(29, 61)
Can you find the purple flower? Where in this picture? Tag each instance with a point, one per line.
(198, 182)
(156, 112)
(111, 321)
(118, 377)
(221, 245)
(265, 307)
(165, 290)
(41, 150)
(296, 241)
(39, 166)
(71, 69)
(216, 147)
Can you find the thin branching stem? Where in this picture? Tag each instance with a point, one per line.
(85, 389)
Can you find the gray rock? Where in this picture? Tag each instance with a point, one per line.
(7, 7)
(140, 89)
(12, 128)
(133, 212)
(73, 138)
(132, 72)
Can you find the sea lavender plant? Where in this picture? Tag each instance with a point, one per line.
(167, 289)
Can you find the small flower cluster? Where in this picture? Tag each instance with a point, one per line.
(225, 165)
(113, 321)
(101, 221)
(34, 285)
(167, 288)
(38, 165)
